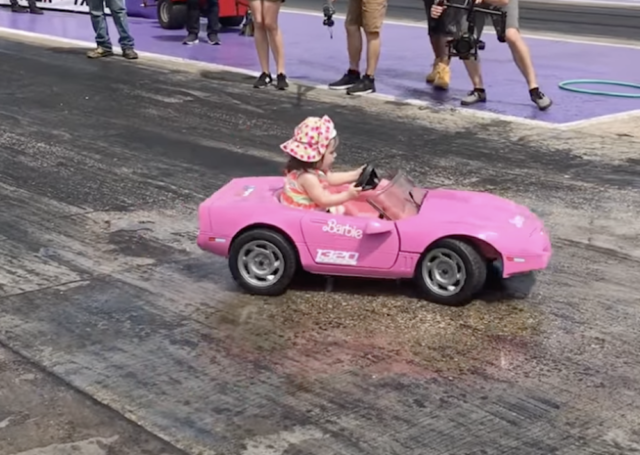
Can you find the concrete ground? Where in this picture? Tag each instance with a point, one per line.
(102, 165)
(41, 415)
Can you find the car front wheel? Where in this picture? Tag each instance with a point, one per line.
(451, 272)
(263, 262)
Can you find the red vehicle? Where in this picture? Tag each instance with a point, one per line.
(172, 14)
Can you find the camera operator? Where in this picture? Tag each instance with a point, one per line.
(367, 15)
(441, 30)
(518, 47)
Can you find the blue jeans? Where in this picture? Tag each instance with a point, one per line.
(99, 22)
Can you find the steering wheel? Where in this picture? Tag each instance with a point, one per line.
(368, 179)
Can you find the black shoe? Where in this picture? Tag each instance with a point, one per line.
(33, 9)
(281, 82)
(540, 99)
(364, 86)
(263, 80)
(191, 38)
(477, 95)
(212, 38)
(19, 9)
(130, 54)
(349, 79)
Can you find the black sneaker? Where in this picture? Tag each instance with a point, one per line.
(213, 38)
(19, 9)
(129, 54)
(364, 86)
(281, 82)
(263, 80)
(540, 99)
(191, 38)
(35, 10)
(350, 78)
(477, 95)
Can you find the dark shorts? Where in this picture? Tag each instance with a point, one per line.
(447, 24)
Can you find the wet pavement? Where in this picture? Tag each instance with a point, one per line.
(102, 166)
(41, 415)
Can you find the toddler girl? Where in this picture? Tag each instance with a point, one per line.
(312, 151)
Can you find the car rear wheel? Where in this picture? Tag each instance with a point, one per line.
(171, 15)
(451, 272)
(263, 262)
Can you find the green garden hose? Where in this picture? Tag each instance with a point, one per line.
(566, 85)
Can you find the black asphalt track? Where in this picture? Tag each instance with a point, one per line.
(102, 166)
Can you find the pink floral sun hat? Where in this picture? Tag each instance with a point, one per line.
(310, 139)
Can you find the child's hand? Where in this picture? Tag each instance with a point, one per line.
(354, 191)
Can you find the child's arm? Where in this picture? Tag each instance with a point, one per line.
(322, 197)
(340, 178)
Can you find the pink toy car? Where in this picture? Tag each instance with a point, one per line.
(443, 239)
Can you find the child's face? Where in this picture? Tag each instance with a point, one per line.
(330, 156)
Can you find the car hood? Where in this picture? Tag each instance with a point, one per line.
(482, 210)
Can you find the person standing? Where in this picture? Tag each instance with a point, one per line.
(441, 30)
(32, 8)
(212, 12)
(367, 16)
(99, 22)
(519, 50)
(268, 36)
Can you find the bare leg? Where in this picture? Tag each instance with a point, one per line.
(373, 52)
(521, 56)
(354, 46)
(474, 72)
(439, 46)
(260, 34)
(270, 11)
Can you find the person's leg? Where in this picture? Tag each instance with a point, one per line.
(447, 27)
(522, 55)
(478, 94)
(99, 23)
(438, 39)
(270, 12)
(373, 14)
(261, 41)
(121, 20)
(352, 24)
(192, 24)
(213, 21)
(16, 8)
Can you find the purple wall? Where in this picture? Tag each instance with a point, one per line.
(135, 8)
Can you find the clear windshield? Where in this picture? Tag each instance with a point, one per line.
(398, 197)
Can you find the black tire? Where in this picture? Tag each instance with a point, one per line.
(231, 21)
(286, 251)
(475, 267)
(171, 16)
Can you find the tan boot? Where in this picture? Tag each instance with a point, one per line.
(431, 77)
(443, 76)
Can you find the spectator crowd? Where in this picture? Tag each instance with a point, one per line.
(364, 20)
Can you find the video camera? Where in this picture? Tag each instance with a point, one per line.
(328, 11)
(466, 45)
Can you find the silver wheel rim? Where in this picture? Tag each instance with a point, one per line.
(260, 263)
(164, 12)
(443, 272)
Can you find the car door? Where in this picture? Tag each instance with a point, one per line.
(340, 240)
